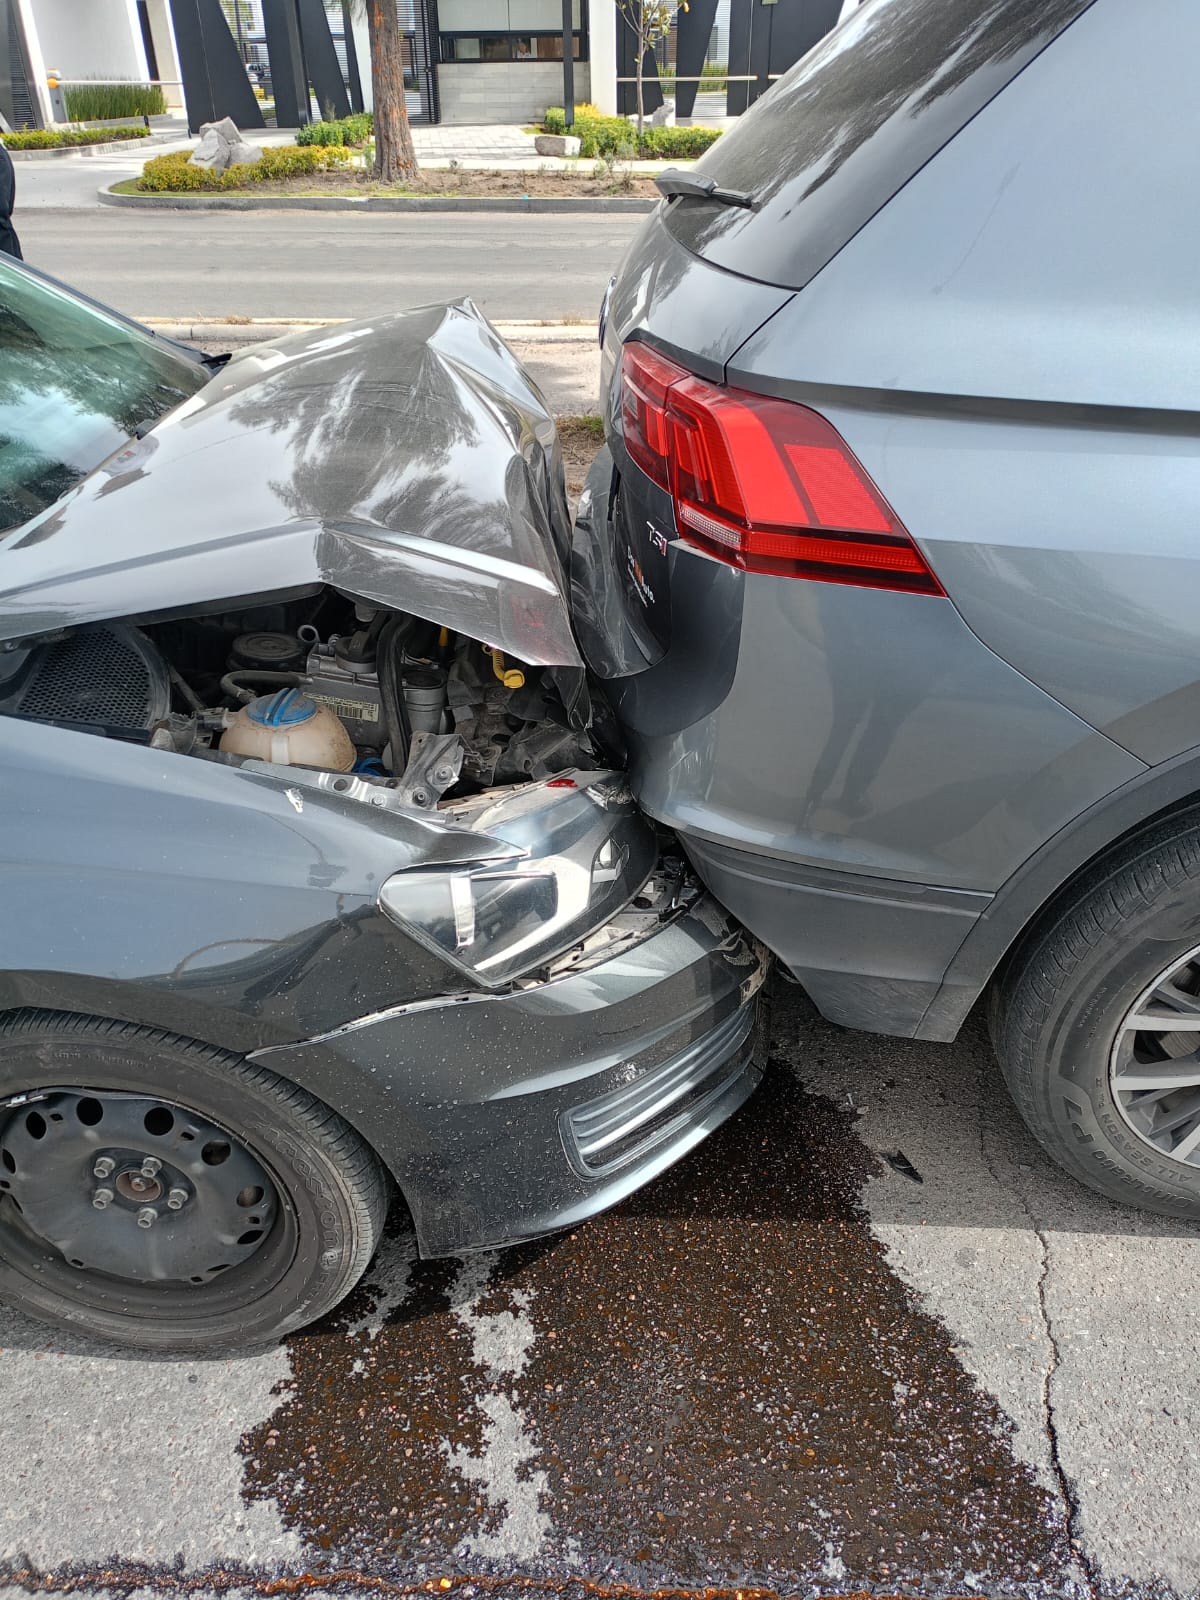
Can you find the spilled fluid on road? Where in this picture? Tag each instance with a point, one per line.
(719, 1384)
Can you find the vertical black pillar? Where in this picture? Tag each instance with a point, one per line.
(796, 28)
(762, 27)
(353, 76)
(737, 95)
(691, 46)
(320, 58)
(568, 21)
(215, 84)
(652, 96)
(285, 50)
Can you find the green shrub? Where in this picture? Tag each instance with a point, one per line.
(62, 138)
(175, 174)
(602, 136)
(598, 135)
(351, 130)
(289, 161)
(661, 143)
(322, 133)
(94, 102)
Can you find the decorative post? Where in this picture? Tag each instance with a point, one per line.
(568, 22)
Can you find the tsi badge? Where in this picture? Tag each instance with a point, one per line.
(658, 540)
(645, 592)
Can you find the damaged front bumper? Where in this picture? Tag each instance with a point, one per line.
(518, 1114)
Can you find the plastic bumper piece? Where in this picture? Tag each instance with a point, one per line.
(503, 1117)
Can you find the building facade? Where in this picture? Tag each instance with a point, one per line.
(466, 61)
(124, 41)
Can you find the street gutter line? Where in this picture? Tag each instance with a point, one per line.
(127, 1581)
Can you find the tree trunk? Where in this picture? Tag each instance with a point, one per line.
(395, 158)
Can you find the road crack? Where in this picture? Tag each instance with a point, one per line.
(1050, 1369)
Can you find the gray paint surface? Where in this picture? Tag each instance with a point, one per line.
(408, 461)
(1006, 346)
(1030, 408)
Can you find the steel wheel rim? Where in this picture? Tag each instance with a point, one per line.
(1154, 1065)
(232, 1276)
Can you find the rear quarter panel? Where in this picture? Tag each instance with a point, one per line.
(1011, 348)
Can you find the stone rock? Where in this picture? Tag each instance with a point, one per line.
(555, 144)
(221, 146)
(664, 116)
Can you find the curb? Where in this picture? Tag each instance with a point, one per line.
(257, 330)
(281, 202)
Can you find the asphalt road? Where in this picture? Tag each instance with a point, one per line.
(316, 264)
(866, 1338)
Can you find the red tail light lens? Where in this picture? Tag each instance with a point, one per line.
(766, 485)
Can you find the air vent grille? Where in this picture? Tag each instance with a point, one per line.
(109, 675)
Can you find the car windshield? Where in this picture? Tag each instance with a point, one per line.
(75, 384)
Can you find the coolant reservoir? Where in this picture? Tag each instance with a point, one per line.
(289, 728)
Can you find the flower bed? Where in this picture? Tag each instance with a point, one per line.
(175, 174)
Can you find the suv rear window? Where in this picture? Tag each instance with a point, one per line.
(850, 124)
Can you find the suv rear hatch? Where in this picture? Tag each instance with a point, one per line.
(851, 123)
(817, 158)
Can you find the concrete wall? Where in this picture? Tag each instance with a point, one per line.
(505, 91)
(90, 38)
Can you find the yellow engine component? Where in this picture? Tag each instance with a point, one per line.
(511, 677)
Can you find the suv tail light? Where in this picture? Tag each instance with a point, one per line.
(764, 484)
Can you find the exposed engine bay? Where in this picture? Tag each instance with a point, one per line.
(322, 683)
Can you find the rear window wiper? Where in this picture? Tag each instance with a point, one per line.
(679, 184)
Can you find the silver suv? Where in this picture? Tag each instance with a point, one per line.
(890, 560)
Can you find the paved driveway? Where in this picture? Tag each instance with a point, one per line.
(866, 1337)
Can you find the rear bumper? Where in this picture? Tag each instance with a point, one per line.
(504, 1117)
(851, 771)
(870, 952)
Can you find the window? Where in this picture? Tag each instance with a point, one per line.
(75, 385)
(507, 30)
(506, 47)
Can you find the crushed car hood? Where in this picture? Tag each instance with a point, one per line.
(407, 461)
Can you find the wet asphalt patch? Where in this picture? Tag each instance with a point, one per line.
(719, 1385)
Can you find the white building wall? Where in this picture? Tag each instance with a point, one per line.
(90, 38)
(602, 48)
(505, 91)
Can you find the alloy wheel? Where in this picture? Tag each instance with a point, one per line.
(1154, 1068)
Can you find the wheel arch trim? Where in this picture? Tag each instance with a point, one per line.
(1033, 894)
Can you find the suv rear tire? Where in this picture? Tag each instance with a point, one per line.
(168, 1195)
(1077, 1024)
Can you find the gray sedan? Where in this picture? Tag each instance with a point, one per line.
(324, 888)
